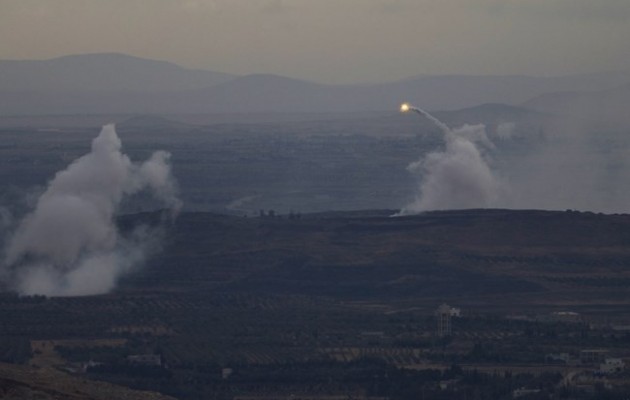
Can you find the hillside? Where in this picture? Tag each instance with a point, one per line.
(527, 258)
(25, 383)
(283, 301)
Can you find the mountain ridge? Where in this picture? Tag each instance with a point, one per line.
(115, 83)
(102, 72)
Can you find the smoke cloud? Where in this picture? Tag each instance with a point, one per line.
(70, 245)
(506, 130)
(546, 163)
(574, 164)
(459, 175)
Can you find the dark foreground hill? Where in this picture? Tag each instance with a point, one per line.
(525, 258)
(326, 303)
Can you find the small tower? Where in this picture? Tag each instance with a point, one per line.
(443, 314)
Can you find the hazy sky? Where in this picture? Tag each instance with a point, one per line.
(336, 41)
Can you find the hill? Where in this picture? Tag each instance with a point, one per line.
(279, 302)
(105, 72)
(116, 83)
(527, 258)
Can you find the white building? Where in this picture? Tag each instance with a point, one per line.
(521, 392)
(612, 366)
(443, 314)
(145, 359)
(456, 312)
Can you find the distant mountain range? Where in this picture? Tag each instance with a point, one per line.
(108, 72)
(117, 83)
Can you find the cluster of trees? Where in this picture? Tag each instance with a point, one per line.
(371, 377)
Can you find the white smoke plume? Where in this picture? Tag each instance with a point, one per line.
(506, 130)
(573, 164)
(456, 177)
(70, 245)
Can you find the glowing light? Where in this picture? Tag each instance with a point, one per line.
(404, 107)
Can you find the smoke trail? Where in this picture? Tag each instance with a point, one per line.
(70, 245)
(445, 129)
(456, 177)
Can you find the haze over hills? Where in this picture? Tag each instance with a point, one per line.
(105, 72)
(116, 83)
(611, 104)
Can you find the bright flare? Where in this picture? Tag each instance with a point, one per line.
(404, 107)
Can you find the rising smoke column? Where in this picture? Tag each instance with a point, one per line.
(70, 245)
(454, 178)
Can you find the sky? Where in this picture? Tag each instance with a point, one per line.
(331, 41)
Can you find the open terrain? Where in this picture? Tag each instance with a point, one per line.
(486, 258)
(257, 289)
(259, 294)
